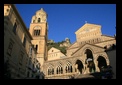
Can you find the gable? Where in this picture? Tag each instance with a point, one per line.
(87, 27)
(53, 50)
(106, 37)
(74, 45)
(93, 48)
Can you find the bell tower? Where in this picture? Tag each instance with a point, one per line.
(38, 30)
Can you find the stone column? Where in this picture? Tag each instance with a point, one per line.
(96, 66)
(64, 71)
(76, 66)
(107, 61)
(84, 68)
(73, 68)
(55, 71)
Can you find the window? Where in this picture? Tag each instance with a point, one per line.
(21, 57)
(68, 68)
(30, 50)
(59, 70)
(39, 19)
(36, 32)
(14, 28)
(38, 66)
(29, 61)
(52, 50)
(24, 41)
(7, 10)
(36, 47)
(10, 47)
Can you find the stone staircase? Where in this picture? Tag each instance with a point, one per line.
(83, 76)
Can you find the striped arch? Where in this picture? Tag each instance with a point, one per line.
(102, 61)
(89, 59)
(78, 59)
(84, 50)
(79, 66)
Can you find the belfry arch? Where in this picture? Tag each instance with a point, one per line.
(101, 62)
(89, 62)
(79, 66)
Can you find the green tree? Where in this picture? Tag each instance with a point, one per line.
(57, 45)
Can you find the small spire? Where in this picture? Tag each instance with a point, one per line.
(41, 8)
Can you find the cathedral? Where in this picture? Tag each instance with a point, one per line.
(29, 57)
(86, 55)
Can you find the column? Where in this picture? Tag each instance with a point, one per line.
(96, 66)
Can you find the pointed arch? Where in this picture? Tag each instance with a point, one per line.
(50, 70)
(39, 20)
(59, 69)
(68, 67)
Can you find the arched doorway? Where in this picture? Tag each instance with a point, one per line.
(79, 67)
(89, 61)
(101, 62)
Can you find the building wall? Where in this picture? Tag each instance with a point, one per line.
(112, 57)
(17, 43)
(72, 49)
(54, 54)
(76, 54)
(26, 63)
(71, 62)
(88, 31)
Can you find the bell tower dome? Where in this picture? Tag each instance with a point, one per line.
(40, 16)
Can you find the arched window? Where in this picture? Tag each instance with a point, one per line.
(68, 68)
(36, 47)
(50, 70)
(36, 32)
(39, 19)
(59, 69)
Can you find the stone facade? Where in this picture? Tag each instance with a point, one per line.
(26, 52)
(111, 52)
(54, 54)
(86, 55)
(19, 55)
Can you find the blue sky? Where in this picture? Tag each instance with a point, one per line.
(65, 19)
